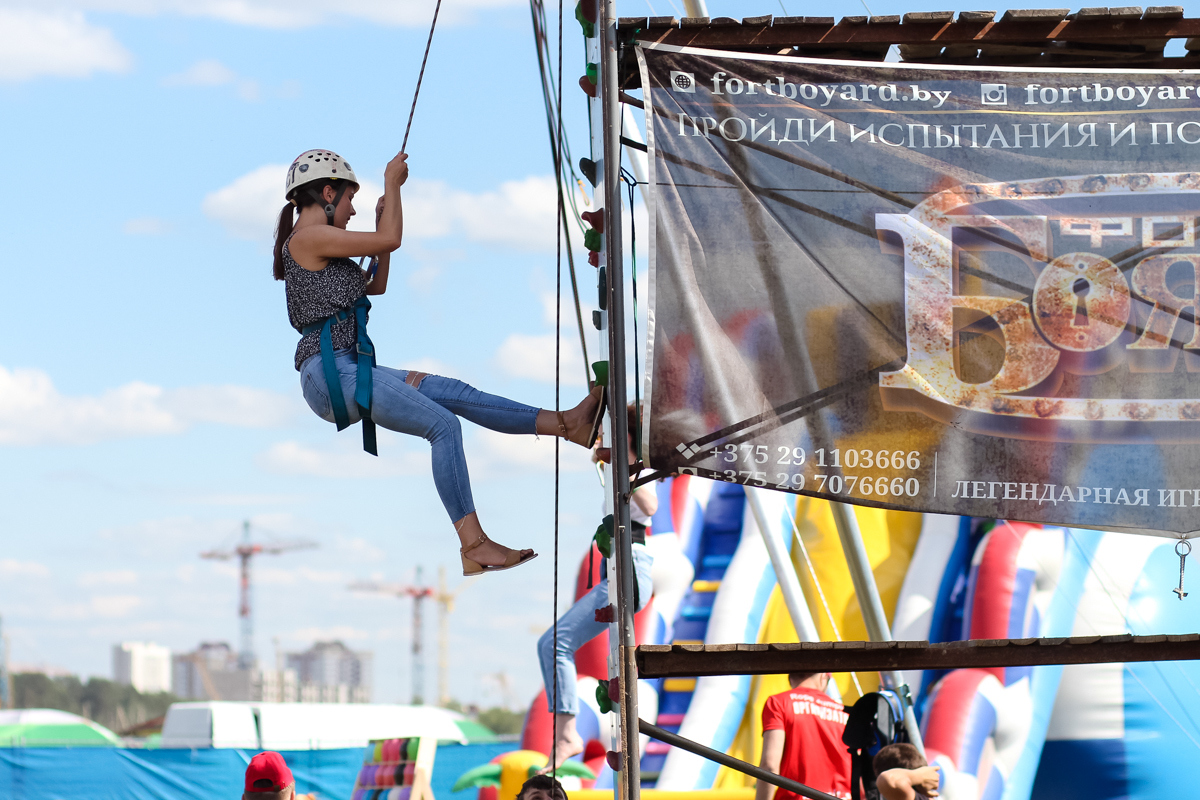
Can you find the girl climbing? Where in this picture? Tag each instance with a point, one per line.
(578, 625)
(327, 303)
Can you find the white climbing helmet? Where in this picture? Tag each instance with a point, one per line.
(315, 165)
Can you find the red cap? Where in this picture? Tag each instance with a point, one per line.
(268, 772)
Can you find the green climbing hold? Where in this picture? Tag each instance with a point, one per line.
(593, 240)
(602, 699)
(589, 28)
(600, 368)
(593, 72)
(603, 536)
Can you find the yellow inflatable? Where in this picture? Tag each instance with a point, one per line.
(890, 538)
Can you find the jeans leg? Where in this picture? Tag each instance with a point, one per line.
(642, 563)
(488, 410)
(576, 628)
(398, 407)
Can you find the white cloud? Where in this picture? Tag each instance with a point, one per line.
(249, 207)
(342, 632)
(210, 72)
(207, 72)
(98, 606)
(113, 606)
(344, 459)
(532, 356)
(503, 454)
(117, 577)
(146, 226)
(517, 214)
(11, 568)
(287, 14)
(36, 42)
(290, 576)
(359, 550)
(32, 411)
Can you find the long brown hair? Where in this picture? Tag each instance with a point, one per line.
(287, 218)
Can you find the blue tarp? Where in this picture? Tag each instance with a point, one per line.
(117, 774)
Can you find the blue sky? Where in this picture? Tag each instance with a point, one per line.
(148, 402)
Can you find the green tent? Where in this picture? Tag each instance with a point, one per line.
(47, 727)
(474, 731)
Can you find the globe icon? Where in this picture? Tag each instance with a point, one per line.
(683, 81)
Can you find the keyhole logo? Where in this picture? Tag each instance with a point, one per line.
(1024, 360)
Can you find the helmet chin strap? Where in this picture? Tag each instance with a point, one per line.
(330, 208)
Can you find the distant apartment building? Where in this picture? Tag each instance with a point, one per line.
(330, 672)
(210, 672)
(143, 665)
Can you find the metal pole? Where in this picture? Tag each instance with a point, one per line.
(418, 635)
(675, 740)
(695, 8)
(246, 656)
(872, 607)
(611, 111)
(789, 585)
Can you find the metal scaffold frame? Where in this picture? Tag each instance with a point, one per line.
(1052, 38)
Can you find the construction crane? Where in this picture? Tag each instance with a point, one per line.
(445, 601)
(244, 552)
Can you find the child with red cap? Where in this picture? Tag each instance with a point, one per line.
(268, 778)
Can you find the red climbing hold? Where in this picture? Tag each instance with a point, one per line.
(594, 218)
(614, 760)
(594, 258)
(588, 87)
(605, 614)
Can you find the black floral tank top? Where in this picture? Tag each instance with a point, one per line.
(313, 296)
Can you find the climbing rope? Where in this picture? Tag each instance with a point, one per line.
(632, 182)
(373, 267)
(420, 77)
(560, 152)
(821, 593)
(558, 236)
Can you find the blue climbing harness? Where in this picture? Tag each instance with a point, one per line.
(365, 355)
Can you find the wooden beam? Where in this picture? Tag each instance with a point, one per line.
(670, 661)
(1019, 27)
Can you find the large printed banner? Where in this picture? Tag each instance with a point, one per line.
(942, 289)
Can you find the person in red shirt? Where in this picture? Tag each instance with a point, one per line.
(802, 738)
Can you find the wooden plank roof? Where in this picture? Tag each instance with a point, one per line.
(1126, 37)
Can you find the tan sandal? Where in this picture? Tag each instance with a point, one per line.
(585, 436)
(514, 559)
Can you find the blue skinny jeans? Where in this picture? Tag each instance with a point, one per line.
(430, 411)
(577, 627)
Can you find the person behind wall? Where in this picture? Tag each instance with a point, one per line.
(542, 787)
(268, 778)
(904, 774)
(578, 625)
(802, 739)
(326, 302)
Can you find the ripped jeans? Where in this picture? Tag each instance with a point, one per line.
(430, 411)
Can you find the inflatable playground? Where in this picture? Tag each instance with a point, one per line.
(1099, 731)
